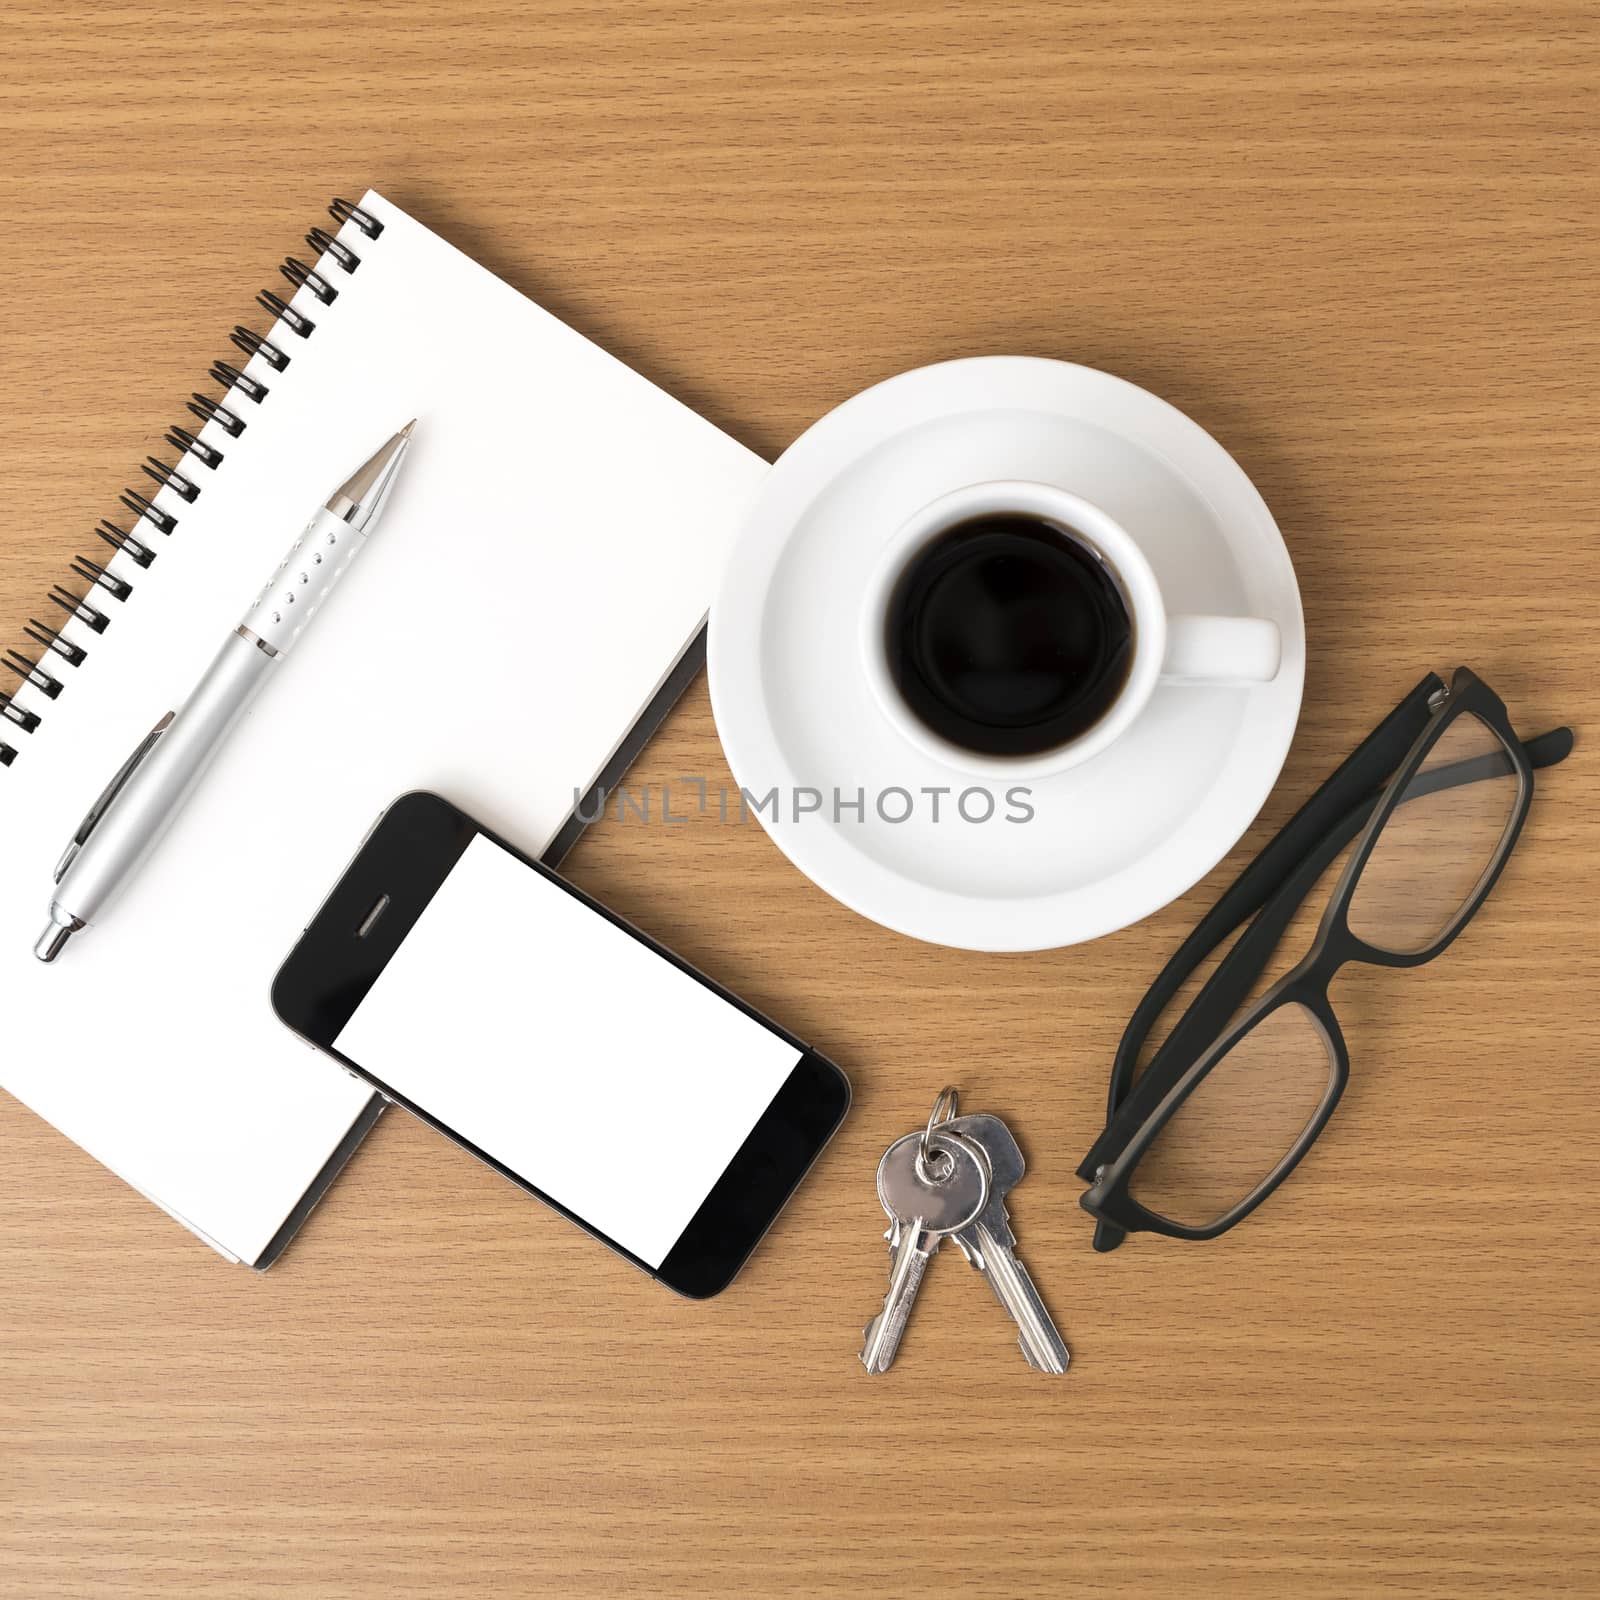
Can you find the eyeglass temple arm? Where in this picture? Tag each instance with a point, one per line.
(1359, 775)
(1245, 962)
(1227, 988)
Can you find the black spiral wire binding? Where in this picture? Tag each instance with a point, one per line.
(242, 389)
(32, 673)
(136, 550)
(185, 442)
(325, 244)
(93, 572)
(17, 715)
(43, 634)
(209, 410)
(94, 620)
(230, 377)
(164, 521)
(304, 277)
(252, 344)
(342, 211)
(295, 321)
(170, 478)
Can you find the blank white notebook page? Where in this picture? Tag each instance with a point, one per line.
(567, 1050)
(548, 554)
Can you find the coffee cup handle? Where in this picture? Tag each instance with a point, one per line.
(1221, 650)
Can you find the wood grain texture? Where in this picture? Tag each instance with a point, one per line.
(1357, 241)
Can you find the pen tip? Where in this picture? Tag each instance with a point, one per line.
(405, 432)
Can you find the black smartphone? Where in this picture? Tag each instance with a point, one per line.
(582, 1060)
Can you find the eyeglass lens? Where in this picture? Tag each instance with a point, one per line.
(1438, 843)
(1245, 1116)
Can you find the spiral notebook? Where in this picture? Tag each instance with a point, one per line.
(528, 607)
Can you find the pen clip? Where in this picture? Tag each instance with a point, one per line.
(95, 812)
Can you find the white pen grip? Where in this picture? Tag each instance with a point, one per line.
(304, 578)
(159, 787)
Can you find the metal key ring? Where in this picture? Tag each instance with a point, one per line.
(924, 1171)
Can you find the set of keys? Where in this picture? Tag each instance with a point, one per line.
(950, 1180)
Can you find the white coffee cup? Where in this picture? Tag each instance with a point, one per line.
(1166, 648)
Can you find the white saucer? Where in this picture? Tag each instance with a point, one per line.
(1110, 841)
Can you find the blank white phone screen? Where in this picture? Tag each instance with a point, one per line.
(573, 1054)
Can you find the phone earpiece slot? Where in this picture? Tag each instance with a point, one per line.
(369, 922)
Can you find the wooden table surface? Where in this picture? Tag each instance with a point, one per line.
(1357, 242)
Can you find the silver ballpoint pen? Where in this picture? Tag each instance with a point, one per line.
(140, 803)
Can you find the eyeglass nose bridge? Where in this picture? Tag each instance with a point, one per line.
(1378, 774)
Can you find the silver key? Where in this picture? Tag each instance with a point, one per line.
(923, 1206)
(989, 1244)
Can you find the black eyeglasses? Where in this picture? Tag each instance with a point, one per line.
(1226, 1109)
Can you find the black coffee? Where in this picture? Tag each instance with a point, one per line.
(1007, 636)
